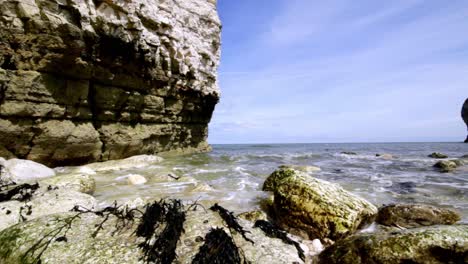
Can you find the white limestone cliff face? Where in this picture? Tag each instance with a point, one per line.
(93, 80)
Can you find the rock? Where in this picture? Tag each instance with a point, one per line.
(139, 161)
(44, 201)
(253, 216)
(349, 153)
(437, 155)
(202, 187)
(436, 244)
(86, 81)
(446, 165)
(385, 156)
(135, 179)
(78, 182)
(20, 171)
(315, 208)
(304, 168)
(90, 239)
(464, 114)
(415, 215)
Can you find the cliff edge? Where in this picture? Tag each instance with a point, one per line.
(93, 80)
(464, 114)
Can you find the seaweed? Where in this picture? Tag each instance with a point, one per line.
(163, 249)
(22, 193)
(219, 248)
(273, 231)
(230, 220)
(124, 215)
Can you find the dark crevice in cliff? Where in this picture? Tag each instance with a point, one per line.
(3, 88)
(94, 114)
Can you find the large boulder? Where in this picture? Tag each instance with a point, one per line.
(316, 208)
(123, 235)
(415, 215)
(447, 165)
(33, 201)
(84, 81)
(436, 244)
(19, 171)
(464, 114)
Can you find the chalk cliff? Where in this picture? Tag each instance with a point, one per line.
(90, 80)
(465, 116)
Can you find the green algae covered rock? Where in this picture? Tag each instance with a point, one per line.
(435, 244)
(315, 208)
(415, 215)
(173, 234)
(446, 165)
(438, 155)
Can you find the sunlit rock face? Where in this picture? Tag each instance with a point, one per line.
(93, 80)
(465, 116)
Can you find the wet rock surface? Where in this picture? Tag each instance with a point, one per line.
(129, 235)
(436, 244)
(447, 165)
(315, 208)
(84, 81)
(438, 155)
(415, 215)
(33, 201)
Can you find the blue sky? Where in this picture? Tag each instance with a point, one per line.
(297, 71)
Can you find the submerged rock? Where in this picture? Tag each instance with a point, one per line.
(135, 179)
(78, 182)
(351, 153)
(139, 161)
(437, 155)
(304, 168)
(154, 234)
(385, 156)
(436, 244)
(315, 208)
(415, 215)
(19, 171)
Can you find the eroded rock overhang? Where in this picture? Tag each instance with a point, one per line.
(90, 80)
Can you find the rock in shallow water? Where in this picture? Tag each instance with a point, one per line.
(415, 215)
(436, 244)
(446, 165)
(78, 182)
(135, 179)
(438, 155)
(315, 208)
(19, 170)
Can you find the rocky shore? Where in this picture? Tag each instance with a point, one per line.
(52, 217)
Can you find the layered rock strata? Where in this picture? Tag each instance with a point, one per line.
(93, 80)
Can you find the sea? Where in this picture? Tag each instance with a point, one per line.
(233, 175)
